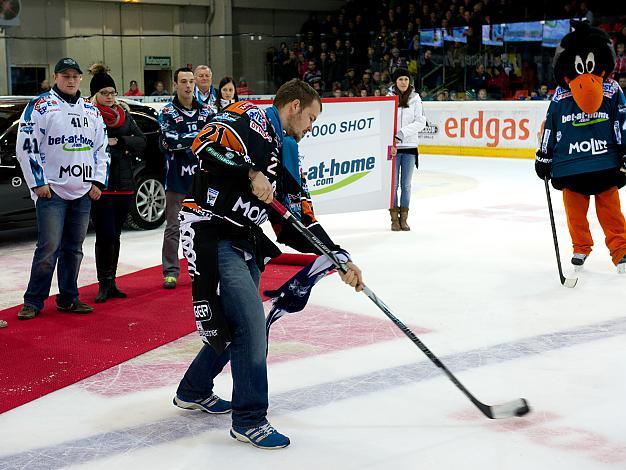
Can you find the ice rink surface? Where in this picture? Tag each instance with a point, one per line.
(475, 278)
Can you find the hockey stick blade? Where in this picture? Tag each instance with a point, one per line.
(569, 282)
(512, 409)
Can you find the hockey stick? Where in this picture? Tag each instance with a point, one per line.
(510, 409)
(567, 282)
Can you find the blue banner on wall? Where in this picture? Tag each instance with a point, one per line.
(431, 37)
(458, 34)
(523, 32)
(553, 32)
(493, 34)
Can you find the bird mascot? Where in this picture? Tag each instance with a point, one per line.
(583, 144)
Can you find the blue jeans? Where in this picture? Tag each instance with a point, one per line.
(61, 229)
(243, 310)
(404, 164)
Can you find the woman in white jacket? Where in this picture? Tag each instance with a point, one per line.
(411, 121)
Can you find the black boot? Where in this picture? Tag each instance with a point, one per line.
(104, 290)
(104, 260)
(114, 291)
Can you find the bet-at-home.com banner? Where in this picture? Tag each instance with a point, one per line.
(483, 128)
(344, 157)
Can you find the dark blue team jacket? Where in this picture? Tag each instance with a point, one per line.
(179, 126)
(585, 143)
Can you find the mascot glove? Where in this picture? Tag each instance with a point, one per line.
(543, 165)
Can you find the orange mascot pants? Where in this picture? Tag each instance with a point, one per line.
(609, 215)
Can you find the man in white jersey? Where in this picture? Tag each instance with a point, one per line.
(204, 92)
(61, 147)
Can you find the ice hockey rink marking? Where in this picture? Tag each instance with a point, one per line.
(108, 444)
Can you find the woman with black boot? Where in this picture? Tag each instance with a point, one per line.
(109, 213)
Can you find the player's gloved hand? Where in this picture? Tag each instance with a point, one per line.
(543, 165)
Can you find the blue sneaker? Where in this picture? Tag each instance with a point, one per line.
(263, 437)
(213, 404)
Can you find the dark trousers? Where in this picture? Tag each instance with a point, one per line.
(108, 215)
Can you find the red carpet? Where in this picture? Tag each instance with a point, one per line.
(58, 349)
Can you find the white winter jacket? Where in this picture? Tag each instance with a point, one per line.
(411, 121)
(63, 145)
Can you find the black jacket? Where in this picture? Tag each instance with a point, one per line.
(131, 142)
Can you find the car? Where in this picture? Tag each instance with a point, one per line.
(17, 211)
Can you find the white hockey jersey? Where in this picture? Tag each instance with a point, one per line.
(63, 145)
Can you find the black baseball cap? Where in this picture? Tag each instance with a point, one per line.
(65, 64)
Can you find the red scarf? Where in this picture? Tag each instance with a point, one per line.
(114, 116)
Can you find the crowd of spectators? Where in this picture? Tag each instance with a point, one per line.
(354, 51)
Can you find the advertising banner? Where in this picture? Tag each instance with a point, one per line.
(508, 129)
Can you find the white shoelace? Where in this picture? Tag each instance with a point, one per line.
(212, 400)
(262, 432)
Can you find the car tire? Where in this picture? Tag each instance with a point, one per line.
(147, 210)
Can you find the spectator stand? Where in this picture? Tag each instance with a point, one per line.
(440, 43)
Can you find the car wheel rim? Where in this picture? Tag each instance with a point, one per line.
(150, 200)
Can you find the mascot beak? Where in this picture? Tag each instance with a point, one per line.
(587, 91)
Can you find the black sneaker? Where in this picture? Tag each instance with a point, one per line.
(27, 312)
(75, 307)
